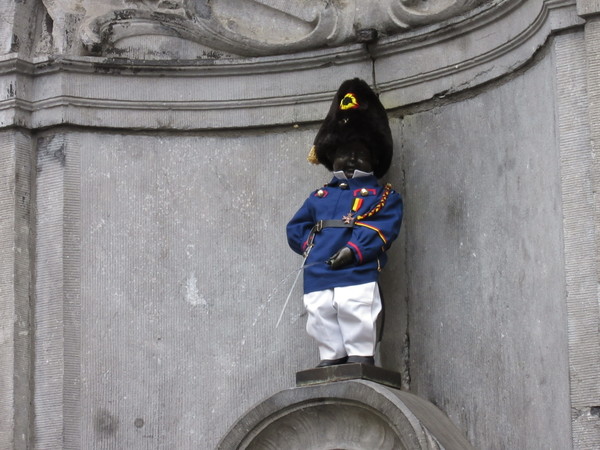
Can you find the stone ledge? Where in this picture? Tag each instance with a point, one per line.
(345, 372)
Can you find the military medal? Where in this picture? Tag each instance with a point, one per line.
(356, 204)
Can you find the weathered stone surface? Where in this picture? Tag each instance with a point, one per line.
(483, 183)
(180, 265)
(15, 280)
(588, 7)
(577, 78)
(58, 351)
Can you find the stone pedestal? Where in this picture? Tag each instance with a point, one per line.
(359, 414)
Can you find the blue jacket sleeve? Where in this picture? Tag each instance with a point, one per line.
(298, 228)
(375, 234)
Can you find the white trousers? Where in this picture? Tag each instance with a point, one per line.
(343, 320)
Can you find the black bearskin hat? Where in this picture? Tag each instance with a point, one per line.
(356, 114)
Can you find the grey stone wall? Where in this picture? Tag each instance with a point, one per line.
(579, 64)
(174, 271)
(16, 237)
(143, 206)
(483, 186)
(187, 244)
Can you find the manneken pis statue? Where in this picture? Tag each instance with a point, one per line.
(344, 228)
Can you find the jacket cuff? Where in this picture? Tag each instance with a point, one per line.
(357, 253)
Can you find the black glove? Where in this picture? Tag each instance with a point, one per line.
(343, 257)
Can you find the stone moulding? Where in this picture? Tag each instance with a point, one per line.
(344, 414)
(492, 41)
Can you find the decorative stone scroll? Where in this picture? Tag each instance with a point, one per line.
(216, 28)
(409, 13)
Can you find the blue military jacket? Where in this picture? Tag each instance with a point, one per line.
(376, 214)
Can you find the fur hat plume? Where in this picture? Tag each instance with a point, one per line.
(356, 114)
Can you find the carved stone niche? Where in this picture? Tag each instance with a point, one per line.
(357, 414)
(233, 28)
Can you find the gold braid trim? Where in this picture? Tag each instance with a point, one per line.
(380, 204)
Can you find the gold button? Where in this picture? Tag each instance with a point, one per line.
(320, 193)
(364, 192)
(343, 185)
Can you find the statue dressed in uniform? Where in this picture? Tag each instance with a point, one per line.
(345, 228)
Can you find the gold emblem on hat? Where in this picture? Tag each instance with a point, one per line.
(349, 102)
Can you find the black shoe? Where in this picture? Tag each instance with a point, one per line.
(332, 362)
(368, 360)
